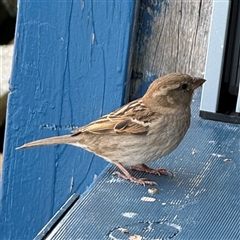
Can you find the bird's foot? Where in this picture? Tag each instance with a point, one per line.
(140, 181)
(157, 171)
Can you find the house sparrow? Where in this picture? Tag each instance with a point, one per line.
(141, 131)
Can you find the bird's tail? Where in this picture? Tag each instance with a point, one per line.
(65, 139)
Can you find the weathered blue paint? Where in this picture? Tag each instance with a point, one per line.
(147, 11)
(69, 68)
(144, 86)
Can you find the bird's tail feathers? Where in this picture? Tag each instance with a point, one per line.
(65, 139)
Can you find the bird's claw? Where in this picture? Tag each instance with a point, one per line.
(140, 181)
(157, 171)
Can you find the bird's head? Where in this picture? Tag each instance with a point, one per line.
(173, 90)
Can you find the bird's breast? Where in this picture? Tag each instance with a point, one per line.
(164, 135)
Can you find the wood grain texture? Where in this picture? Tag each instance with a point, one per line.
(70, 67)
(172, 37)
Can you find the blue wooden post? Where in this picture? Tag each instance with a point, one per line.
(70, 67)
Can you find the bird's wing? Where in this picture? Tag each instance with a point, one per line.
(133, 118)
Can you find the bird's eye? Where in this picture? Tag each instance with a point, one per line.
(184, 86)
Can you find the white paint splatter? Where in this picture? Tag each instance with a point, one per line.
(178, 227)
(148, 199)
(95, 177)
(129, 214)
(194, 151)
(218, 155)
(93, 37)
(114, 180)
(82, 4)
(71, 184)
(175, 217)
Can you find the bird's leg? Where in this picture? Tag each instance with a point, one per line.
(127, 176)
(145, 168)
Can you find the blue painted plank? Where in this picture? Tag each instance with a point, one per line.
(70, 67)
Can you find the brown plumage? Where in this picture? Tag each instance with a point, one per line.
(141, 131)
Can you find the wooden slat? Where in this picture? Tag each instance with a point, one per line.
(173, 37)
(70, 67)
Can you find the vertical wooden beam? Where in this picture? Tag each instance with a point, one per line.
(70, 67)
(172, 37)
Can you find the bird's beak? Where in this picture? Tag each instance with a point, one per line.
(197, 82)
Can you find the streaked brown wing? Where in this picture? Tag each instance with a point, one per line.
(133, 118)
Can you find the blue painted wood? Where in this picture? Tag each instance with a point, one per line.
(70, 67)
